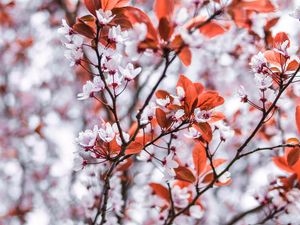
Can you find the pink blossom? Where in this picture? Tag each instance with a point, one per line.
(88, 137)
(104, 17)
(106, 133)
(180, 196)
(129, 72)
(169, 164)
(258, 62)
(202, 116)
(66, 30)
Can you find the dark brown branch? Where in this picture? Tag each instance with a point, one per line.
(270, 216)
(113, 98)
(240, 216)
(268, 148)
(102, 209)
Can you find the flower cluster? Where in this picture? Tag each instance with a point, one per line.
(74, 52)
(191, 105)
(100, 143)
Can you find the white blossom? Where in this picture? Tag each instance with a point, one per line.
(75, 43)
(179, 113)
(225, 131)
(202, 116)
(148, 113)
(87, 90)
(88, 137)
(65, 30)
(180, 196)
(179, 97)
(282, 48)
(138, 32)
(242, 92)
(104, 17)
(115, 80)
(257, 62)
(106, 133)
(145, 155)
(126, 136)
(163, 101)
(98, 84)
(169, 164)
(116, 34)
(180, 92)
(262, 81)
(129, 72)
(74, 56)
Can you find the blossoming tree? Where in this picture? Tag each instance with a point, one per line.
(186, 106)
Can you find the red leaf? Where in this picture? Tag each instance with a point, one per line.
(135, 15)
(208, 178)
(84, 30)
(184, 82)
(216, 116)
(125, 165)
(177, 43)
(132, 128)
(199, 88)
(185, 56)
(162, 94)
(209, 29)
(184, 174)
(92, 5)
(292, 66)
(111, 4)
(163, 8)
(209, 100)
(121, 3)
(241, 10)
(212, 29)
(218, 162)
(280, 38)
(273, 57)
(160, 191)
(189, 89)
(293, 156)
(165, 29)
(271, 23)
(298, 117)
(262, 6)
(281, 163)
(134, 148)
(199, 158)
(161, 118)
(205, 130)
